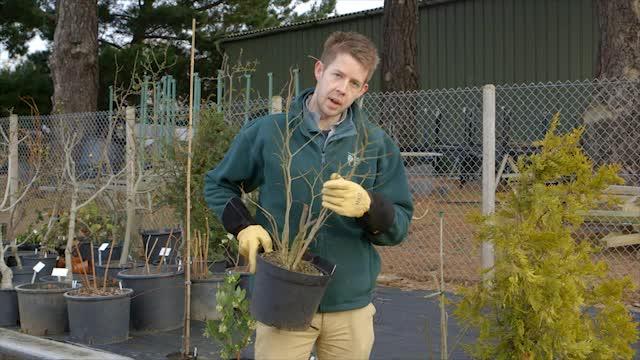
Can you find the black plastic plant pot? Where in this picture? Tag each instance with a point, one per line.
(43, 310)
(23, 276)
(8, 307)
(218, 266)
(203, 298)
(114, 269)
(154, 240)
(158, 297)
(115, 255)
(99, 320)
(288, 300)
(29, 261)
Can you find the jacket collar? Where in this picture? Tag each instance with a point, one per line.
(309, 126)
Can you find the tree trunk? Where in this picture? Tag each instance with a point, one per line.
(613, 118)
(74, 59)
(619, 39)
(399, 71)
(400, 50)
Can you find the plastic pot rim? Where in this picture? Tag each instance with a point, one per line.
(215, 278)
(127, 292)
(24, 288)
(166, 231)
(122, 275)
(291, 276)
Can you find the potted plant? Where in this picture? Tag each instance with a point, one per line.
(546, 296)
(42, 252)
(98, 311)
(234, 327)
(158, 293)
(204, 282)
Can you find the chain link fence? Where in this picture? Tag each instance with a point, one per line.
(440, 135)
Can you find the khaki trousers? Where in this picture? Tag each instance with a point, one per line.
(340, 335)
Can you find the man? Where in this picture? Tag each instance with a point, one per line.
(363, 183)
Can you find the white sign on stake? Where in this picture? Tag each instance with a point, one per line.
(165, 251)
(39, 266)
(60, 272)
(103, 247)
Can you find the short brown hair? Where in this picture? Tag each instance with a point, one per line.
(357, 45)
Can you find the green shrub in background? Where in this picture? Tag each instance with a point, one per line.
(210, 143)
(548, 298)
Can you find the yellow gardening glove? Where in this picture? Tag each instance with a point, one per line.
(249, 241)
(345, 197)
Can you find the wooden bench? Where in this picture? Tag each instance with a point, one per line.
(628, 198)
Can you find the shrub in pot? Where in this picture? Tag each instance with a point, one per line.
(98, 312)
(158, 296)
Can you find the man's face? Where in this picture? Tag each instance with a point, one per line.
(339, 84)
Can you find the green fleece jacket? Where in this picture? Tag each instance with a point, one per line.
(253, 161)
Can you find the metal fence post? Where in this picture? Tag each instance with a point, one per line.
(270, 76)
(488, 167)
(275, 104)
(219, 94)
(247, 94)
(130, 116)
(296, 81)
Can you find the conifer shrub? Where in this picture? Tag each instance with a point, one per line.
(546, 296)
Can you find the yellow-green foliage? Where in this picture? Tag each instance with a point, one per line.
(548, 298)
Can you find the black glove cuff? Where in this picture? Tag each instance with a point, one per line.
(380, 216)
(236, 217)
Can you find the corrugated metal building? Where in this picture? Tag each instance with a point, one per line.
(460, 43)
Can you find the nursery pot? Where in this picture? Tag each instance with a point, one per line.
(8, 307)
(99, 320)
(29, 261)
(43, 310)
(22, 276)
(157, 302)
(154, 240)
(203, 298)
(288, 300)
(218, 266)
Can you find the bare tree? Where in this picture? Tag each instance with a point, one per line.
(92, 182)
(12, 194)
(74, 59)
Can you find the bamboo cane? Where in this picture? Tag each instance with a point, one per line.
(187, 265)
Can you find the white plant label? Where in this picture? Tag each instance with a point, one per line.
(120, 284)
(74, 284)
(165, 251)
(39, 266)
(103, 247)
(60, 272)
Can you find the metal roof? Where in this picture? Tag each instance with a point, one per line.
(313, 22)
